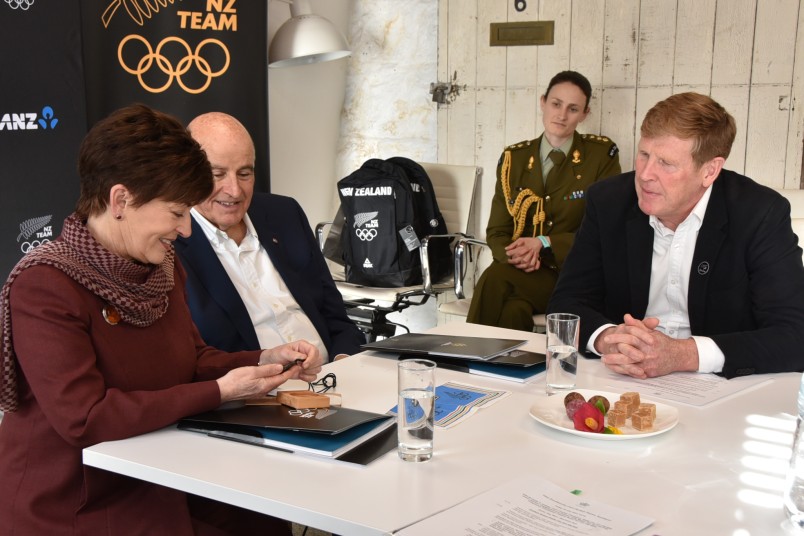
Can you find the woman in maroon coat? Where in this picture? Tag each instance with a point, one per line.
(98, 345)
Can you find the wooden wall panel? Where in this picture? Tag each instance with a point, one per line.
(521, 62)
(734, 40)
(620, 43)
(555, 58)
(523, 120)
(490, 141)
(657, 42)
(491, 61)
(442, 70)
(695, 23)
(766, 136)
(586, 53)
(462, 63)
(794, 177)
(774, 40)
(618, 105)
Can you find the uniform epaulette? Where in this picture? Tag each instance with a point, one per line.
(597, 139)
(520, 145)
(602, 140)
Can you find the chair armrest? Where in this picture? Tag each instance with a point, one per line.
(427, 280)
(460, 263)
(319, 233)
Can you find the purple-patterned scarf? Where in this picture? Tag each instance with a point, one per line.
(138, 292)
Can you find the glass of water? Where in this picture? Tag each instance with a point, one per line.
(416, 409)
(562, 351)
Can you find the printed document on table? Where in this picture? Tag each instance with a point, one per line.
(533, 506)
(690, 388)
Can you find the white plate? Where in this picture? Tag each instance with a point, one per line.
(550, 412)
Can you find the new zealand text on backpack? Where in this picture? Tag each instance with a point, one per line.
(388, 207)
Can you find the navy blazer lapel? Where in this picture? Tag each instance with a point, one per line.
(270, 238)
(707, 246)
(197, 252)
(639, 253)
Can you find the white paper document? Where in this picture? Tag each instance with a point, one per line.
(690, 388)
(533, 506)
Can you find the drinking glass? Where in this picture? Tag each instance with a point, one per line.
(562, 351)
(416, 409)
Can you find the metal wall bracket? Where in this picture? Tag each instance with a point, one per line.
(446, 92)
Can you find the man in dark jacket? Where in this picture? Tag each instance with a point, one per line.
(255, 276)
(682, 265)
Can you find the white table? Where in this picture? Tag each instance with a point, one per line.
(720, 471)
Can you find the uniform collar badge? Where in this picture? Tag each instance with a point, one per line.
(576, 156)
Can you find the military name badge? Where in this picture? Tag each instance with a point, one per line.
(111, 315)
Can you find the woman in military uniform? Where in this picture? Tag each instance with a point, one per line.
(538, 205)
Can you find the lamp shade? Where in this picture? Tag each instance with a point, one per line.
(306, 38)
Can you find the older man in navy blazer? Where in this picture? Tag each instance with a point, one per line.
(255, 274)
(683, 265)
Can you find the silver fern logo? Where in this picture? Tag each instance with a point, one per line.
(35, 231)
(363, 217)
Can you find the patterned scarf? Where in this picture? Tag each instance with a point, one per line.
(138, 292)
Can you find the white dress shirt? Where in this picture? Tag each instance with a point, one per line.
(276, 315)
(669, 285)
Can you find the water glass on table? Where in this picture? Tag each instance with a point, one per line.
(562, 351)
(416, 409)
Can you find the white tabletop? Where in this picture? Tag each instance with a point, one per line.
(720, 471)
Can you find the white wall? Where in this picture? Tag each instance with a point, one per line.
(389, 110)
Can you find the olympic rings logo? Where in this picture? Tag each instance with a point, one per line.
(366, 235)
(155, 57)
(20, 4)
(25, 247)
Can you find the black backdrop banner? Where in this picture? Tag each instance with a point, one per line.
(183, 57)
(67, 63)
(42, 122)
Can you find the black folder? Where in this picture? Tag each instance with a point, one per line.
(341, 433)
(459, 348)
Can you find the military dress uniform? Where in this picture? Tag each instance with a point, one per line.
(525, 205)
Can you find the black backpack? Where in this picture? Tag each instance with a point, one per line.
(388, 207)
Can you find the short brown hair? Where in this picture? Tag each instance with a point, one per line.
(696, 117)
(148, 152)
(573, 77)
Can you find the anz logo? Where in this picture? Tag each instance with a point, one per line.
(29, 120)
